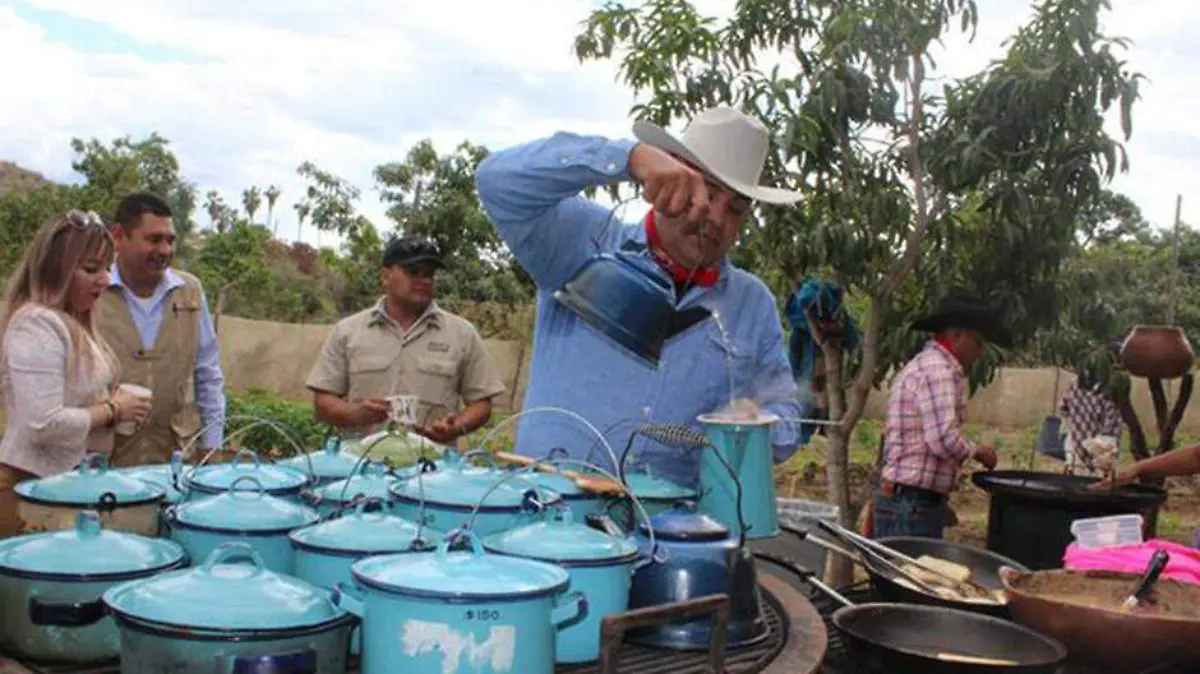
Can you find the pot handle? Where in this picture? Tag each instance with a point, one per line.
(233, 488)
(226, 551)
(573, 609)
(65, 614)
(346, 596)
(107, 502)
(489, 459)
(244, 453)
(471, 537)
(361, 502)
(303, 661)
(94, 463)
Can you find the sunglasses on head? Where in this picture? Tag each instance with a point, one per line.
(83, 220)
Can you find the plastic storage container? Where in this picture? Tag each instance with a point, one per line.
(800, 514)
(1106, 532)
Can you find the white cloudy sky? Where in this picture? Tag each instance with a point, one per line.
(247, 90)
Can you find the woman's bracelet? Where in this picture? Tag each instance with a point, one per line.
(112, 414)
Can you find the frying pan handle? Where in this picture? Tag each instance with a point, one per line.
(806, 575)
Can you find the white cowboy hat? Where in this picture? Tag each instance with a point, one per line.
(730, 146)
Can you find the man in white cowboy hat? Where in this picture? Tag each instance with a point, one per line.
(725, 339)
(924, 448)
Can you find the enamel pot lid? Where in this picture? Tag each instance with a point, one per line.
(87, 553)
(328, 463)
(363, 531)
(93, 485)
(468, 574)
(274, 478)
(248, 510)
(560, 539)
(373, 482)
(165, 475)
(461, 486)
(230, 590)
(645, 485)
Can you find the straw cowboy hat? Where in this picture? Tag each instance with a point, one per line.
(725, 144)
(967, 312)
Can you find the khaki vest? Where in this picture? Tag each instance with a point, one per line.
(167, 368)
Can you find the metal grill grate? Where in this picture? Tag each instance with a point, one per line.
(634, 659)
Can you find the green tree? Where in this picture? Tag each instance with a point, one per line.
(435, 197)
(230, 259)
(23, 213)
(221, 214)
(273, 193)
(331, 200)
(252, 201)
(114, 170)
(887, 162)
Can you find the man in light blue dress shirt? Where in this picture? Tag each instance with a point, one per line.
(702, 188)
(156, 320)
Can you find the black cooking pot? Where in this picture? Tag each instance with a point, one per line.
(1030, 513)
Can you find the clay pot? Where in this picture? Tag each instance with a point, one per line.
(1157, 352)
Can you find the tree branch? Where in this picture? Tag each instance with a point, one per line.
(916, 168)
(866, 368)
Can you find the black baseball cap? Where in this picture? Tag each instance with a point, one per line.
(410, 250)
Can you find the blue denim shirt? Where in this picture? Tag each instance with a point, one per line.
(531, 192)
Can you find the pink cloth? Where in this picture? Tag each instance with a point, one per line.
(1183, 566)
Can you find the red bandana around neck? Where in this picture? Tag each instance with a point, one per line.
(706, 277)
(948, 345)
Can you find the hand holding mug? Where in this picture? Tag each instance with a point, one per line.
(371, 411)
(131, 407)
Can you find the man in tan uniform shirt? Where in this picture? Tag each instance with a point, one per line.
(405, 345)
(156, 320)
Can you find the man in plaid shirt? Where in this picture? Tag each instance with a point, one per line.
(924, 447)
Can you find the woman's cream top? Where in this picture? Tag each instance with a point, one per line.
(47, 424)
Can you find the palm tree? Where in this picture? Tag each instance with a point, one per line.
(216, 210)
(251, 201)
(302, 210)
(273, 193)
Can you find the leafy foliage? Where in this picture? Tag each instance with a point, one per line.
(909, 193)
(434, 196)
(295, 417)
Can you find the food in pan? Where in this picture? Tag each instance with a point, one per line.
(941, 575)
(974, 660)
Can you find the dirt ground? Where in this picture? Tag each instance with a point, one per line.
(804, 477)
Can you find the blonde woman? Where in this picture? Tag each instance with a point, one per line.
(56, 373)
